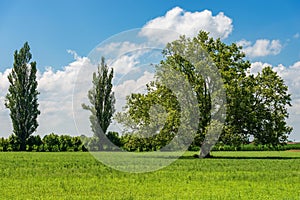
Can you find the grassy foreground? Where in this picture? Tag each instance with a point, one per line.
(230, 175)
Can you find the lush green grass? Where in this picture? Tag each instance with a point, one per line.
(254, 175)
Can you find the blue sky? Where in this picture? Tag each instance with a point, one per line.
(268, 30)
(52, 27)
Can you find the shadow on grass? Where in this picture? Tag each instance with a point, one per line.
(242, 157)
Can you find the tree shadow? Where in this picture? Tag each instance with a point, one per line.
(242, 157)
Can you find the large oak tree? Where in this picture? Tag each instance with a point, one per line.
(256, 106)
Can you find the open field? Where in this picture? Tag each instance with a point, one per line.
(77, 175)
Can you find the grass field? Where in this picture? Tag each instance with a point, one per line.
(229, 175)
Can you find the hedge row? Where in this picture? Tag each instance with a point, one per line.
(49, 143)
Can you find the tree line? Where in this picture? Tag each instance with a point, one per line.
(49, 143)
(66, 143)
(256, 105)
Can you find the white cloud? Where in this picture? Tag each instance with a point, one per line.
(188, 23)
(124, 64)
(261, 47)
(55, 99)
(116, 49)
(4, 83)
(56, 93)
(127, 56)
(4, 114)
(133, 86)
(291, 75)
(257, 67)
(296, 36)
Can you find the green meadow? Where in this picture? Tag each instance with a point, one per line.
(78, 175)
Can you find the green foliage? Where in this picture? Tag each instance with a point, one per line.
(256, 106)
(34, 142)
(65, 142)
(77, 143)
(4, 144)
(51, 143)
(228, 175)
(22, 96)
(102, 100)
(270, 101)
(145, 133)
(114, 138)
(14, 142)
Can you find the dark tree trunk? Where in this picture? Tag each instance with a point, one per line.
(23, 145)
(205, 151)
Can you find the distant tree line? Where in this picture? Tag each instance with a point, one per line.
(62, 143)
(49, 143)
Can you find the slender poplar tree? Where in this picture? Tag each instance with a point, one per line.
(102, 100)
(22, 96)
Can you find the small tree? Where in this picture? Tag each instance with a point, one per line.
(271, 98)
(14, 142)
(34, 142)
(4, 143)
(22, 97)
(65, 142)
(102, 100)
(51, 142)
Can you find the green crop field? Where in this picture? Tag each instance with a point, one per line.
(229, 175)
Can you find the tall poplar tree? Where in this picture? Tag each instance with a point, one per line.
(102, 100)
(22, 96)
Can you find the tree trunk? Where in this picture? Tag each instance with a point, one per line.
(205, 151)
(23, 145)
(100, 146)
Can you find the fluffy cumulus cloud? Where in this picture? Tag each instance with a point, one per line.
(133, 86)
(127, 56)
(55, 99)
(188, 23)
(125, 64)
(3, 87)
(4, 114)
(257, 67)
(261, 47)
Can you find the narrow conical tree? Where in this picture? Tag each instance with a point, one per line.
(22, 96)
(102, 100)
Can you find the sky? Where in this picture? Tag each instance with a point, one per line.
(62, 35)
